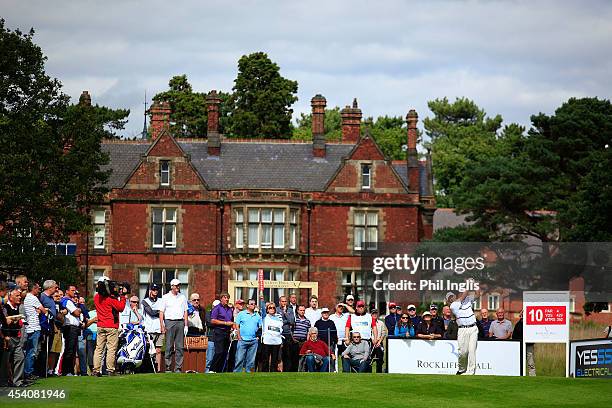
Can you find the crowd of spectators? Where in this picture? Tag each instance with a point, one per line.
(47, 331)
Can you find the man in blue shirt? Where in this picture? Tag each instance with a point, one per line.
(247, 323)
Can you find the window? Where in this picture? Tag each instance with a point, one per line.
(164, 227)
(99, 224)
(292, 229)
(164, 172)
(572, 304)
(270, 294)
(365, 230)
(162, 276)
(366, 176)
(493, 302)
(266, 227)
(606, 309)
(239, 220)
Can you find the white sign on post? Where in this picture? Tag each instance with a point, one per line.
(546, 319)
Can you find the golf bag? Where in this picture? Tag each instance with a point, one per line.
(133, 348)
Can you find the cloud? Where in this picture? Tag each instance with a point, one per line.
(515, 58)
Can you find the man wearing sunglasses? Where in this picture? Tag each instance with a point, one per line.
(196, 316)
(247, 324)
(356, 355)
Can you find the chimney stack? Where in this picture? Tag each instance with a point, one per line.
(160, 118)
(214, 138)
(351, 122)
(85, 99)
(318, 104)
(413, 159)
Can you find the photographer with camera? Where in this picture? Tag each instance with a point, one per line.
(109, 300)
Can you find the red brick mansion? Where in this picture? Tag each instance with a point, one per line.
(213, 212)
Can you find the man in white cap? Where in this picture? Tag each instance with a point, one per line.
(173, 320)
(467, 337)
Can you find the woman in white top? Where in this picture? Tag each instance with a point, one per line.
(271, 338)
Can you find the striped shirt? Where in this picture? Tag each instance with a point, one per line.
(463, 311)
(301, 328)
(31, 303)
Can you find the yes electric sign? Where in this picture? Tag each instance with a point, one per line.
(594, 360)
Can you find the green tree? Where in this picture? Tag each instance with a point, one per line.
(262, 99)
(460, 132)
(189, 115)
(332, 123)
(390, 134)
(50, 158)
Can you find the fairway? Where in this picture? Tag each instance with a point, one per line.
(318, 390)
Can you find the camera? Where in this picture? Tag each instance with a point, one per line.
(112, 288)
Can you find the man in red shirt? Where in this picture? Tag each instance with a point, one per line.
(108, 306)
(316, 352)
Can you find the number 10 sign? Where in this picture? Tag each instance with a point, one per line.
(546, 317)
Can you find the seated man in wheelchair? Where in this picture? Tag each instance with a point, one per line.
(356, 356)
(315, 353)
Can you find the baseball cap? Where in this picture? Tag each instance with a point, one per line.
(392, 305)
(360, 303)
(449, 294)
(434, 307)
(103, 278)
(411, 307)
(216, 302)
(239, 301)
(175, 282)
(373, 311)
(426, 313)
(350, 297)
(325, 310)
(154, 286)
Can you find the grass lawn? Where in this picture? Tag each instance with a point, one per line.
(318, 390)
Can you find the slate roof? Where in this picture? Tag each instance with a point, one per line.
(266, 165)
(249, 165)
(124, 157)
(402, 170)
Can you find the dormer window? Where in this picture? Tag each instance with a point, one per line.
(164, 172)
(366, 176)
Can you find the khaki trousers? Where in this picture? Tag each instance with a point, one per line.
(110, 338)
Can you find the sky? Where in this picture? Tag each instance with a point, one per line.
(514, 58)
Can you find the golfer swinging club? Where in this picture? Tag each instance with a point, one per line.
(467, 338)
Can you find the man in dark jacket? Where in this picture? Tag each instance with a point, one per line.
(327, 328)
(392, 318)
(290, 346)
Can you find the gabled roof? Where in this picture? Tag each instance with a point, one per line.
(241, 165)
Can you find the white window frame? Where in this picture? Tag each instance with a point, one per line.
(490, 305)
(165, 182)
(165, 221)
(369, 228)
(239, 227)
(366, 175)
(267, 228)
(99, 224)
